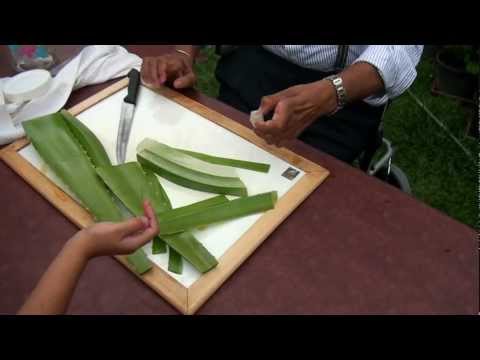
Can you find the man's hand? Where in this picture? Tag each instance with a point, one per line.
(294, 109)
(175, 69)
(117, 238)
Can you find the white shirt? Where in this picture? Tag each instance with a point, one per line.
(395, 63)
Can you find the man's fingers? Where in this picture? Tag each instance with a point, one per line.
(269, 102)
(145, 71)
(162, 73)
(185, 81)
(280, 119)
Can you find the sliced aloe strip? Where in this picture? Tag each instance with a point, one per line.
(158, 246)
(226, 211)
(190, 178)
(195, 207)
(175, 262)
(139, 261)
(192, 250)
(249, 165)
(185, 160)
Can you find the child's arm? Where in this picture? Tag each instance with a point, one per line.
(55, 289)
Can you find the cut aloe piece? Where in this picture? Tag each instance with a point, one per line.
(189, 171)
(175, 262)
(71, 151)
(173, 155)
(158, 246)
(249, 165)
(191, 178)
(192, 250)
(139, 261)
(195, 207)
(131, 184)
(230, 210)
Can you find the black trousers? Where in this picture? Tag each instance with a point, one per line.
(251, 72)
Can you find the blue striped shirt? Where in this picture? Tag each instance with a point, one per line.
(394, 63)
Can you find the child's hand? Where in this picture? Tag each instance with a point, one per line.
(108, 238)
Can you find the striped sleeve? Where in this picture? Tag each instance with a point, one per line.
(396, 66)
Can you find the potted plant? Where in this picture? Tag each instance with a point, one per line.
(457, 71)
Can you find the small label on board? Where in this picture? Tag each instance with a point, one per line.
(290, 173)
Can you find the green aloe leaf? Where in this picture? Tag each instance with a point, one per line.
(175, 262)
(71, 150)
(131, 184)
(249, 165)
(192, 250)
(171, 224)
(87, 140)
(57, 145)
(189, 171)
(194, 208)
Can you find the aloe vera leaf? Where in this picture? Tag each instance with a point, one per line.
(161, 201)
(230, 210)
(195, 207)
(184, 243)
(87, 140)
(158, 246)
(192, 250)
(190, 178)
(171, 154)
(249, 165)
(175, 263)
(98, 156)
(139, 261)
(132, 186)
(56, 144)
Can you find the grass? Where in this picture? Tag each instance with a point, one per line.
(439, 172)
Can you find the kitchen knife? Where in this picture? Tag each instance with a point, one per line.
(127, 114)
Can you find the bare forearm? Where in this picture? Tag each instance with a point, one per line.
(361, 80)
(55, 289)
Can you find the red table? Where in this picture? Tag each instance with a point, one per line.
(355, 246)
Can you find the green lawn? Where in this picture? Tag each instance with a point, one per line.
(439, 172)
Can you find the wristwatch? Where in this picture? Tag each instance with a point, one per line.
(337, 82)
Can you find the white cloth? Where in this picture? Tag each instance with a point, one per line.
(93, 65)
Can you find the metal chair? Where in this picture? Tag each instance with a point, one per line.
(383, 168)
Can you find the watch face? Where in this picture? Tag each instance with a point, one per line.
(337, 81)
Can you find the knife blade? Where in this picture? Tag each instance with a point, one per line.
(127, 114)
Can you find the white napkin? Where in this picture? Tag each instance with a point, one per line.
(93, 65)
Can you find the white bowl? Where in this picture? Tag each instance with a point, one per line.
(27, 86)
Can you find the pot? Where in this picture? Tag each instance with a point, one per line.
(452, 77)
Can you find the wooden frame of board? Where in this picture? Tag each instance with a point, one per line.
(186, 300)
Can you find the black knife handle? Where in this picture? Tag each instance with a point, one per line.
(133, 84)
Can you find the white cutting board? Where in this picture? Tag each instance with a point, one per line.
(162, 119)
